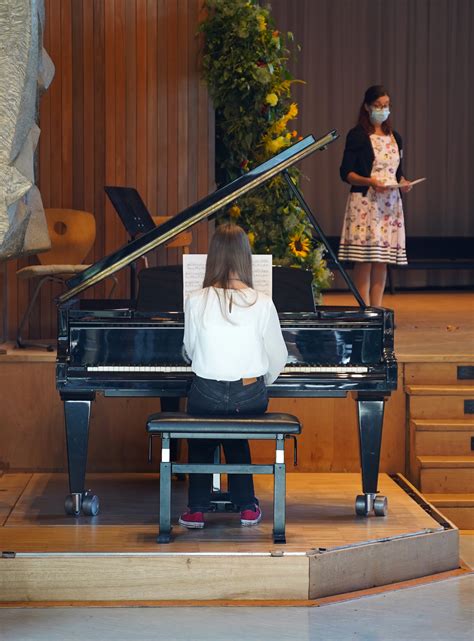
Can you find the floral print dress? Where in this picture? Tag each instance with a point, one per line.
(374, 228)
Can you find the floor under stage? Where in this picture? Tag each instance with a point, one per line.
(114, 556)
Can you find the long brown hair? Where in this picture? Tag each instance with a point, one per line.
(372, 94)
(229, 256)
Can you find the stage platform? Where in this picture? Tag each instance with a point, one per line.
(50, 557)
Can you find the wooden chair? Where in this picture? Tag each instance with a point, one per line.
(182, 240)
(72, 234)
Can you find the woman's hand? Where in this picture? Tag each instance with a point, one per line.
(405, 186)
(376, 184)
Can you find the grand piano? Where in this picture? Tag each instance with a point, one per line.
(112, 348)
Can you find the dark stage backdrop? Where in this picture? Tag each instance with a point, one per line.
(126, 107)
(423, 51)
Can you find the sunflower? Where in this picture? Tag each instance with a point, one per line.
(299, 245)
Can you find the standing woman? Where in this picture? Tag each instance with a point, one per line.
(373, 233)
(233, 337)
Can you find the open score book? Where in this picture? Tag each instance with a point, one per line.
(194, 268)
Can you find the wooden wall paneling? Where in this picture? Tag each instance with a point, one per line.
(18, 293)
(205, 170)
(99, 149)
(45, 179)
(174, 146)
(164, 136)
(192, 100)
(175, 142)
(13, 288)
(130, 48)
(85, 121)
(115, 126)
(55, 90)
(54, 47)
(329, 440)
(66, 103)
(44, 146)
(141, 98)
(46, 318)
(110, 107)
(150, 196)
(79, 54)
(184, 108)
(32, 436)
(126, 106)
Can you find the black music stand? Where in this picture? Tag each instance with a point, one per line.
(135, 218)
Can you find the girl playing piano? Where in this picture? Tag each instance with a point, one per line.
(233, 337)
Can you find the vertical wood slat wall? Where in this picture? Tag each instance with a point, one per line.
(126, 107)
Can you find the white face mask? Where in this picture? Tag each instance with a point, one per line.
(378, 116)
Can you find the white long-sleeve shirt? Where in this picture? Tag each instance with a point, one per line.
(228, 345)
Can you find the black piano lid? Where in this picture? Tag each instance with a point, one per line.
(193, 214)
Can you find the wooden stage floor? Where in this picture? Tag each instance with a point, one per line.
(329, 551)
(114, 556)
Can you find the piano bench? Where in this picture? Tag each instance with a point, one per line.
(177, 425)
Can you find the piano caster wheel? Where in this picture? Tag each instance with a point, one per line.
(381, 506)
(72, 504)
(365, 503)
(90, 504)
(361, 505)
(163, 538)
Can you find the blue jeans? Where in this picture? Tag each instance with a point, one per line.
(209, 397)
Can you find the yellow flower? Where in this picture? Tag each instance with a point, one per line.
(279, 126)
(292, 111)
(271, 99)
(251, 237)
(299, 245)
(275, 145)
(262, 23)
(234, 211)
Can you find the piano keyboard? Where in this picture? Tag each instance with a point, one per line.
(186, 369)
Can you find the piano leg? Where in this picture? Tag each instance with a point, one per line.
(370, 411)
(77, 413)
(171, 404)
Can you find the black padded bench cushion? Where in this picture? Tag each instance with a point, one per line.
(271, 423)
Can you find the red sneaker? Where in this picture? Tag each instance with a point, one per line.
(251, 516)
(192, 520)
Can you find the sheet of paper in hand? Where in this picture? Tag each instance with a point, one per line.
(409, 183)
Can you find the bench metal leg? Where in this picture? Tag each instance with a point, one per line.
(164, 534)
(279, 493)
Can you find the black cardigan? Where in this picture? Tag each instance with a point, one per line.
(359, 157)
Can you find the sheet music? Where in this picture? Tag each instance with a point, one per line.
(194, 268)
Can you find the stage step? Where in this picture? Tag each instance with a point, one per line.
(442, 374)
(441, 401)
(442, 437)
(458, 508)
(444, 425)
(440, 390)
(446, 474)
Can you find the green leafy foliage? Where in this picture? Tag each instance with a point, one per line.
(245, 66)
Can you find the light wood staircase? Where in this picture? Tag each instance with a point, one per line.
(441, 426)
